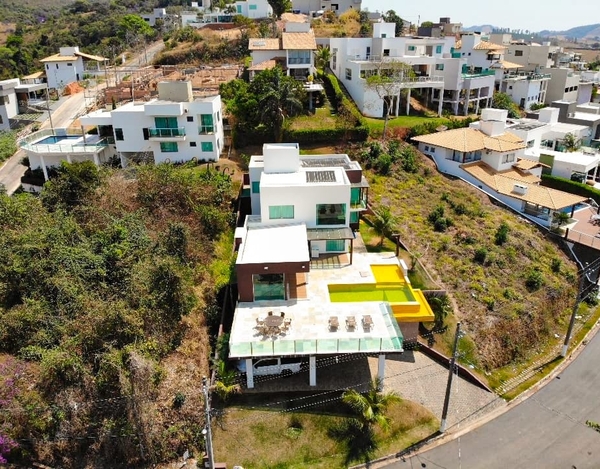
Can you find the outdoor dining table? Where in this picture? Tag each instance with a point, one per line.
(273, 321)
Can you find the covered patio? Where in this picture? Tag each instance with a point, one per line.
(330, 236)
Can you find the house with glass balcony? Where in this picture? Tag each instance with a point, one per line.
(293, 51)
(441, 78)
(176, 127)
(303, 293)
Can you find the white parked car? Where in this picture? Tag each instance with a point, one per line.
(273, 366)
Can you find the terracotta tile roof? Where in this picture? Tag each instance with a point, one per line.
(97, 58)
(486, 45)
(297, 41)
(33, 76)
(60, 58)
(268, 64)
(506, 65)
(258, 43)
(468, 139)
(525, 164)
(504, 183)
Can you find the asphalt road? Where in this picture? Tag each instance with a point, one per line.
(547, 430)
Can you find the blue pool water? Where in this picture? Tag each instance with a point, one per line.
(56, 139)
(577, 207)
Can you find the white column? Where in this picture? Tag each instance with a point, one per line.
(408, 102)
(312, 370)
(123, 160)
(478, 100)
(441, 101)
(69, 158)
(249, 373)
(44, 170)
(96, 159)
(381, 368)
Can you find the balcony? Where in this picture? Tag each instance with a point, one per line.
(166, 135)
(527, 76)
(484, 73)
(206, 129)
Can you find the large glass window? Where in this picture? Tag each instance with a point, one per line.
(165, 122)
(331, 214)
(355, 196)
(256, 187)
(354, 217)
(268, 287)
(335, 245)
(206, 124)
(281, 212)
(168, 147)
(207, 146)
(299, 57)
(438, 49)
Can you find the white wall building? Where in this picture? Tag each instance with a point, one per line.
(254, 9)
(8, 102)
(492, 158)
(526, 89)
(442, 78)
(69, 65)
(157, 14)
(308, 7)
(566, 85)
(294, 51)
(173, 128)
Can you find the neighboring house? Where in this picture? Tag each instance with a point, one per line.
(442, 79)
(444, 28)
(587, 115)
(493, 159)
(303, 291)
(532, 57)
(591, 75)
(173, 128)
(294, 51)
(254, 9)
(69, 65)
(567, 85)
(526, 89)
(8, 102)
(308, 7)
(157, 14)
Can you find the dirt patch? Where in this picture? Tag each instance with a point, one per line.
(5, 30)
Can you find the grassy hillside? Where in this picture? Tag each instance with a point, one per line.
(511, 296)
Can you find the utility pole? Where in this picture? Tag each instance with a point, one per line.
(207, 430)
(49, 110)
(450, 375)
(578, 299)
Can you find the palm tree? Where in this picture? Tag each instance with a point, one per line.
(323, 57)
(226, 385)
(441, 307)
(571, 142)
(371, 407)
(384, 223)
(282, 98)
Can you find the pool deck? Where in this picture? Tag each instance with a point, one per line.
(310, 316)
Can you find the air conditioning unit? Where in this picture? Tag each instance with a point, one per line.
(520, 189)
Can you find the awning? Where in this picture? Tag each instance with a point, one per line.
(319, 234)
(363, 183)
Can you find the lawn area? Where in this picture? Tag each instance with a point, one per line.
(376, 125)
(273, 439)
(321, 119)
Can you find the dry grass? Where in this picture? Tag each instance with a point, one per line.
(266, 439)
(5, 30)
(322, 119)
(506, 322)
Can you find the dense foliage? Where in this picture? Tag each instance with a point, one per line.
(100, 282)
(574, 187)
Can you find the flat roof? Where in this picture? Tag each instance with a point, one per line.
(335, 176)
(266, 244)
(315, 234)
(309, 333)
(527, 124)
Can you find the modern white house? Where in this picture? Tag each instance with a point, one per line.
(440, 77)
(294, 51)
(157, 14)
(532, 56)
(526, 89)
(8, 102)
(568, 85)
(303, 291)
(69, 65)
(176, 127)
(308, 7)
(254, 9)
(491, 157)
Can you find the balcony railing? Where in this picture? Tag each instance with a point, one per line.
(298, 61)
(358, 205)
(166, 133)
(206, 129)
(385, 58)
(484, 73)
(529, 76)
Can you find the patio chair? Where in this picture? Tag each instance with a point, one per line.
(282, 314)
(270, 313)
(367, 323)
(259, 323)
(333, 323)
(287, 323)
(350, 323)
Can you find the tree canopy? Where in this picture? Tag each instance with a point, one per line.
(280, 7)
(391, 16)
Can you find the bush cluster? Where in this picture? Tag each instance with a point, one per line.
(573, 187)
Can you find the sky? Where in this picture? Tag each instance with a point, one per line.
(534, 15)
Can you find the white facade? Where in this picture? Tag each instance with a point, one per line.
(526, 90)
(564, 85)
(68, 66)
(157, 14)
(9, 107)
(308, 7)
(254, 9)
(533, 57)
(176, 130)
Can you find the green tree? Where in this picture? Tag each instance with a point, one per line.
(385, 79)
(280, 7)
(441, 307)
(323, 57)
(571, 142)
(503, 101)
(226, 384)
(427, 24)
(392, 17)
(384, 223)
(370, 407)
(134, 26)
(278, 97)
(74, 183)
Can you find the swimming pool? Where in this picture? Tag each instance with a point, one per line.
(351, 293)
(54, 139)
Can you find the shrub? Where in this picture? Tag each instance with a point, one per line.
(556, 265)
(460, 209)
(534, 280)
(384, 163)
(480, 255)
(438, 212)
(501, 235)
(178, 400)
(441, 224)
(572, 187)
